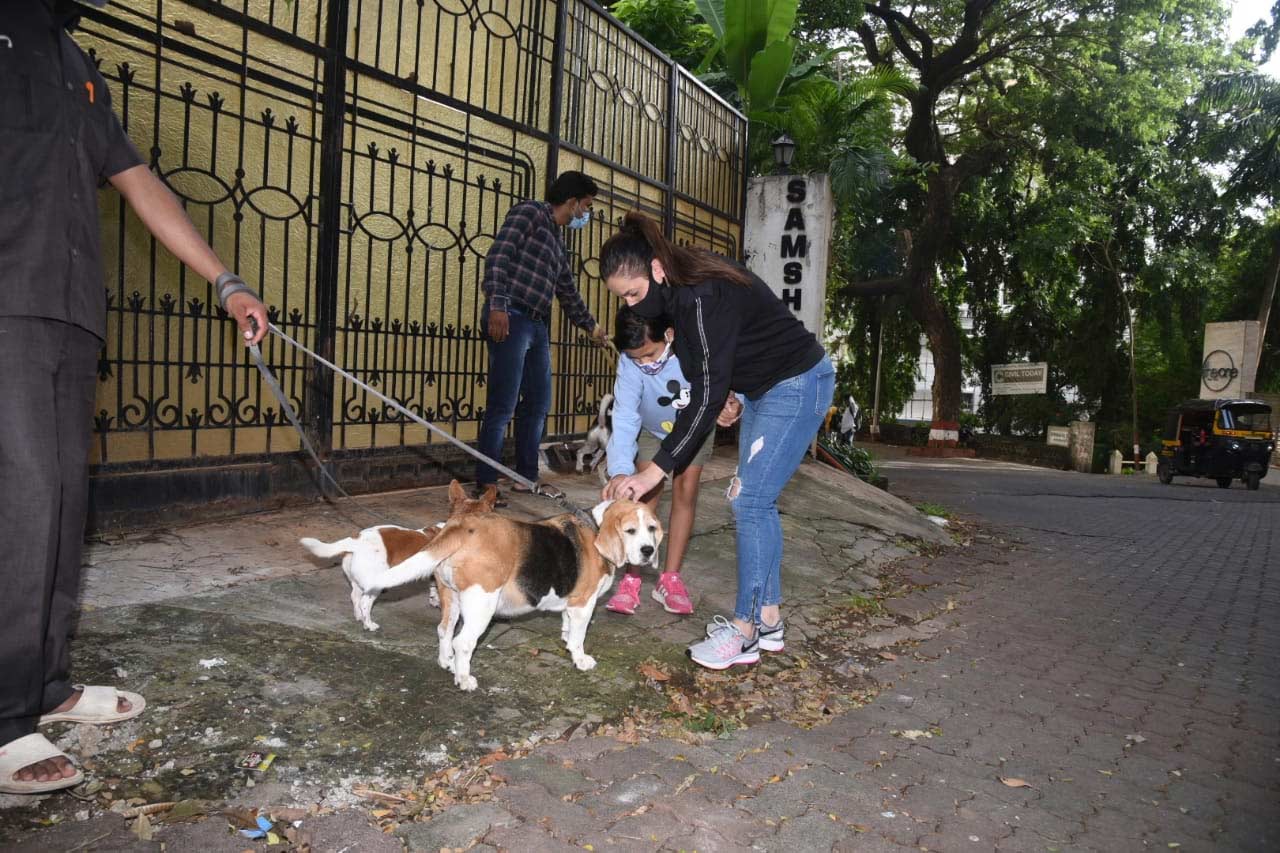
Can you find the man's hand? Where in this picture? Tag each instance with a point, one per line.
(499, 326)
(610, 490)
(245, 308)
(599, 336)
(730, 413)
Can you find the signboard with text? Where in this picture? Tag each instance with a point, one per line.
(1058, 436)
(788, 239)
(1023, 378)
(1229, 366)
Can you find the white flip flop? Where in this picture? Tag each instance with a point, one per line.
(24, 752)
(98, 707)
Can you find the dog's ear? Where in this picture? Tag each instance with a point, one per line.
(598, 511)
(457, 494)
(490, 497)
(648, 515)
(609, 542)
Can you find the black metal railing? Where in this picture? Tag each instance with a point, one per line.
(353, 159)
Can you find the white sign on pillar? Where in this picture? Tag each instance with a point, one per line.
(1230, 363)
(788, 240)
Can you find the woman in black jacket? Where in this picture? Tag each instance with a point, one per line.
(745, 355)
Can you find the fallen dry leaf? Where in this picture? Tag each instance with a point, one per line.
(651, 671)
(912, 734)
(888, 655)
(495, 756)
(1014, 782)
(142, 828)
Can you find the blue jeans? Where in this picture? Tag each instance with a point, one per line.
(519, 372)
(773, 436)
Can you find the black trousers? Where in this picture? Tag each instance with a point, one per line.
(47, 386)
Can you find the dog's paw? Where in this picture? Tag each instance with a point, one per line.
(467, 683)
(584, 662)
(370, 625)
(445, 663)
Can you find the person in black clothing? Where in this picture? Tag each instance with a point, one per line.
(59, 139)
(745, 355)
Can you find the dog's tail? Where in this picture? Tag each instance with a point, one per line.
(422, 564)
(604, 418)
(328, 549)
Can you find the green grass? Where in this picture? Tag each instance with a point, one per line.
(929, 508)
(865, 605)
(713, 723)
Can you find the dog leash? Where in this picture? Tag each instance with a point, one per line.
(274, 385)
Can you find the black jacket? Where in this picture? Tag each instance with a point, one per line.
(728, 338)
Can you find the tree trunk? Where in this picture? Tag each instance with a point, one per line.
(1268, 297)
(940, 329)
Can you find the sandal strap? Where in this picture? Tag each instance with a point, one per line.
(28, 750)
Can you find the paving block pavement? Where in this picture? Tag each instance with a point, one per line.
(1102, 677)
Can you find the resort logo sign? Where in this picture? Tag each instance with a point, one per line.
(1218, 370)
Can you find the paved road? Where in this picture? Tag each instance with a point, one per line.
(1124, 663)
(1119, 666)
(1108, 683)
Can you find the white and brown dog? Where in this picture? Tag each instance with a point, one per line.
(376, 550)
(592, 451)
(487, 565)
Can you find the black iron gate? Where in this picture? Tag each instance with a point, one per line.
(353, 159)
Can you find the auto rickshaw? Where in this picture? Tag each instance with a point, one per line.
(1223, 440)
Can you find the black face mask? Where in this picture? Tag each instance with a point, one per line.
(653, 305)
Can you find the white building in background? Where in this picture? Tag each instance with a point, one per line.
(920, 406)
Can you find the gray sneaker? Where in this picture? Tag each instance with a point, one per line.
(724, 647)
(769, 636)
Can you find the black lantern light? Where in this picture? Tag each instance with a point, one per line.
(784, 148)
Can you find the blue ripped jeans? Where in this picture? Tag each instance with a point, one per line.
(773, 436)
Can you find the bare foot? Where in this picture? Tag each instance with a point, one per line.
(44, 771)
(122, 705)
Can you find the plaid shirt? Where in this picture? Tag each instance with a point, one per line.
(528, 263)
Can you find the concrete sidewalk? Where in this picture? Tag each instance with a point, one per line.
(240, 642)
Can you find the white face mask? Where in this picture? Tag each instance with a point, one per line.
(654, 367)
(581, 220)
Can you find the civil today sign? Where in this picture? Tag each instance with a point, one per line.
(788, 239)
(1028, 377)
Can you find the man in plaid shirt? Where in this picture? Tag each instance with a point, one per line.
(526, 266)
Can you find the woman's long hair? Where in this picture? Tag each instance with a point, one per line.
(640, 240)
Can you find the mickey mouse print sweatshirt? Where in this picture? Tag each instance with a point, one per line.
(641, 401)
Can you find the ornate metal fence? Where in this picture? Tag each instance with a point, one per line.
(353, 159)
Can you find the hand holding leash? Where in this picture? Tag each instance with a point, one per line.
(250, 315)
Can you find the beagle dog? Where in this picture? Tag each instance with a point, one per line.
(376, 550)
(487, 565)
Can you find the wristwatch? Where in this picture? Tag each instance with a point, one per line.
(227, 284)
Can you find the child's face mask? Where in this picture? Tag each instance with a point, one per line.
(653, 368)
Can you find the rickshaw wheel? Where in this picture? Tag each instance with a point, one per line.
(1224, 482)
(1164, 474)
(1251, 482)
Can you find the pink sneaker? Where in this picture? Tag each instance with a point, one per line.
(627, 598)
(672, 595)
